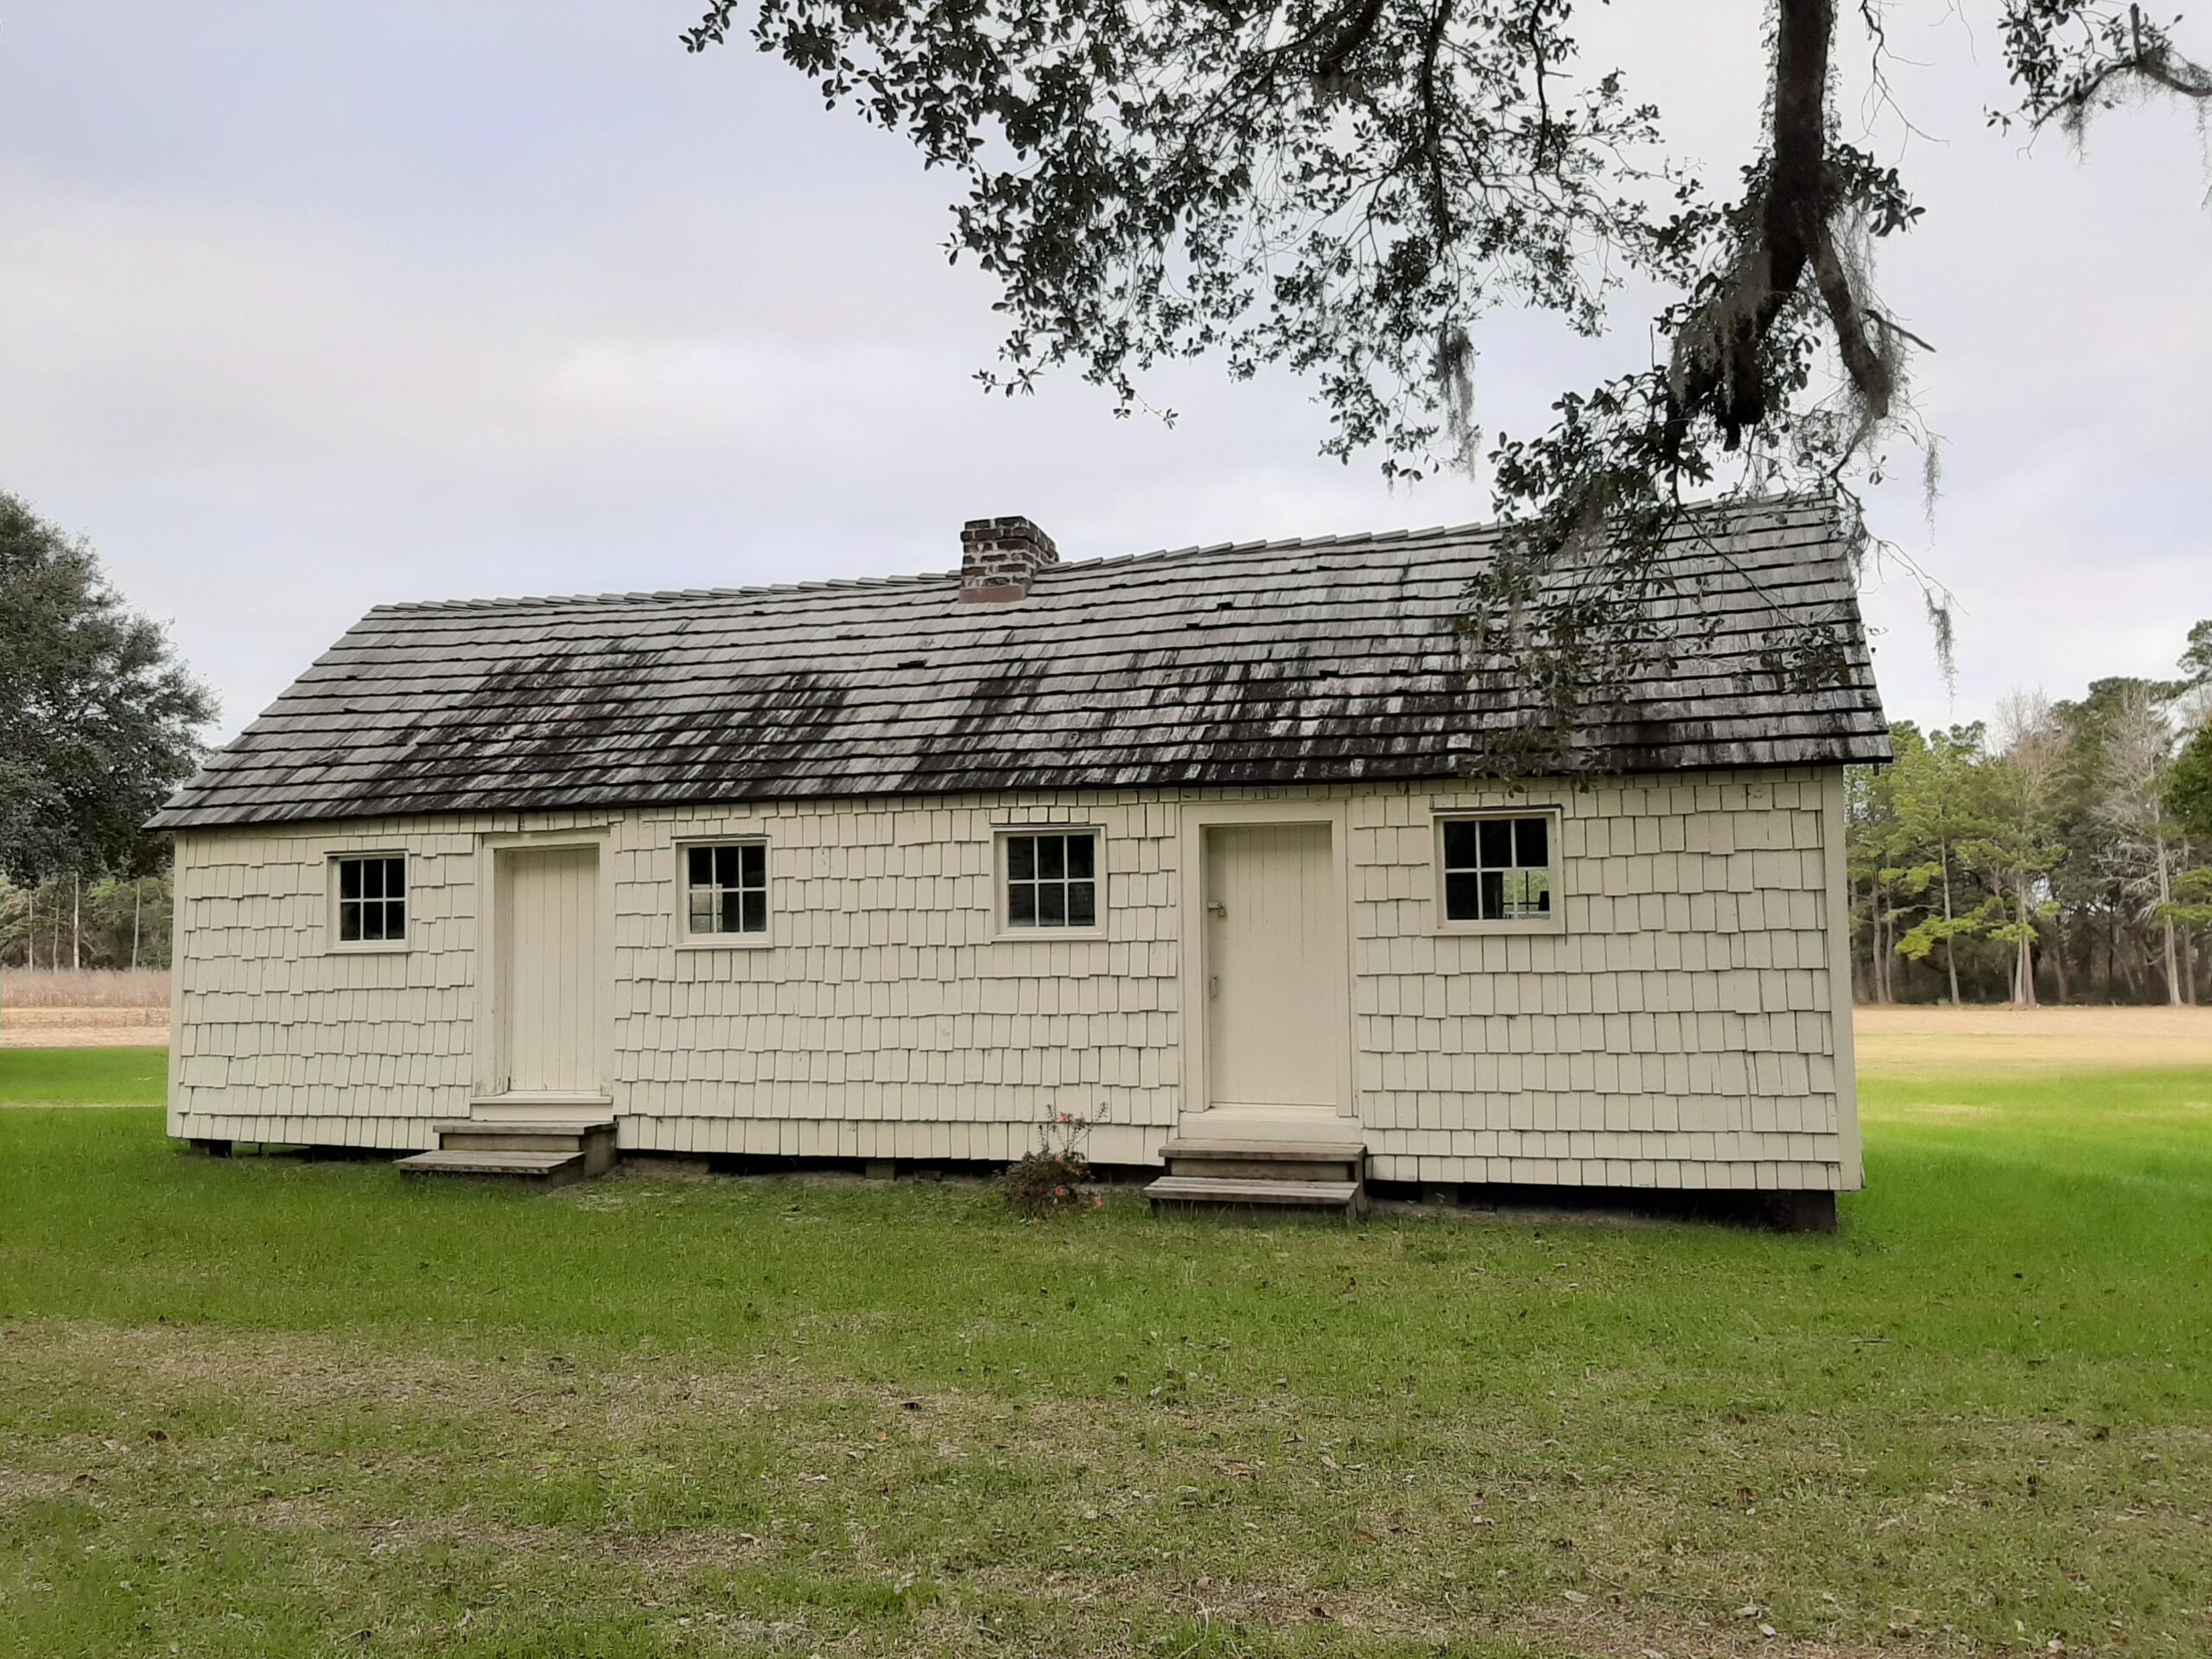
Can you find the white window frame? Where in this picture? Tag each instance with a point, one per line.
(686, 938)
(1554, 923)
(332, 861)
(1001, 929)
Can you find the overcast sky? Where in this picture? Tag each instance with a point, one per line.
(307, 307)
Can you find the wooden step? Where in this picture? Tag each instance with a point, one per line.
(537, 1169)
(1326, 1152)
(1324, 1162)
(1348, 1198)
(594, 1140)
(525, 1137)
(519, 1125)
(541, 1107)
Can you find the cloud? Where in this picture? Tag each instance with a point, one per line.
(797, 398)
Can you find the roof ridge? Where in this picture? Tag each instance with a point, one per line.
(1338, 541)
(638, 596)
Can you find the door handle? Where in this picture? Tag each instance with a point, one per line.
(1213, 986)
(1215, 908)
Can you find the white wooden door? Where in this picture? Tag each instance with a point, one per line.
(1274, 1023)
(549, 970)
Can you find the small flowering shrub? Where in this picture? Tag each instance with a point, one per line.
(1053, 1178)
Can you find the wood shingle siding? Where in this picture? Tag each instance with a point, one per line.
(1301, 663)
(1684, 1026)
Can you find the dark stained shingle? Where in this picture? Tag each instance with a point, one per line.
(1287, 662)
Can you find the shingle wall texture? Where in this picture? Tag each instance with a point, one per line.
(1683, 1027)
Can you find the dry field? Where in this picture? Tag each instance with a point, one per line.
(90, 1008)
(87, 988)
(84, 1029)
(1893, 1041)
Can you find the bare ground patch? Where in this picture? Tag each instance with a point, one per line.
(86, 1027)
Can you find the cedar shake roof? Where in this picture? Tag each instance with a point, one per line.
(1314, 661)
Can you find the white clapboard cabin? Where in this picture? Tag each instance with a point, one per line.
(1191, 844)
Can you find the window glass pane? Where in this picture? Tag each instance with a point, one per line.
(703, 912)
(701, 862)
(1532, 843)
(1082, 851)
(349, 877)
(1021, 857)
(395, 878)
(1462, 901)
(1459, 844)
(732, 914)
(395, 919)
(1051, 905)
(1518, 850)
(1539, 892)
(756, 912)
(753, 862)
(1021, 905)
(349, 919)
(371, 921)
(1052, 856)
(372, 878)
(1082, 904)
(725, 866)
(1515, 893)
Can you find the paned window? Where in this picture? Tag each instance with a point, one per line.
(371, 899)
(726, 888)
(1497, 869)
(1051, 879)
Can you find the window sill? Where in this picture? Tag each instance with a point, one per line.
(1048, 936)
(368, 948)
(1492, 930)
(727, 942)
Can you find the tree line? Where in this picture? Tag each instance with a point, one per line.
(110, 921)
(2062, 851)
(98, 723)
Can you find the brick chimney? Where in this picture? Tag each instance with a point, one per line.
(999, 557)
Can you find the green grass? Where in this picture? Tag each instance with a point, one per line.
(266, 1406)
(84, 1077)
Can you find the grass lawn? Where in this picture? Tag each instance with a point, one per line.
(269, 1407)
(83, 1077)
